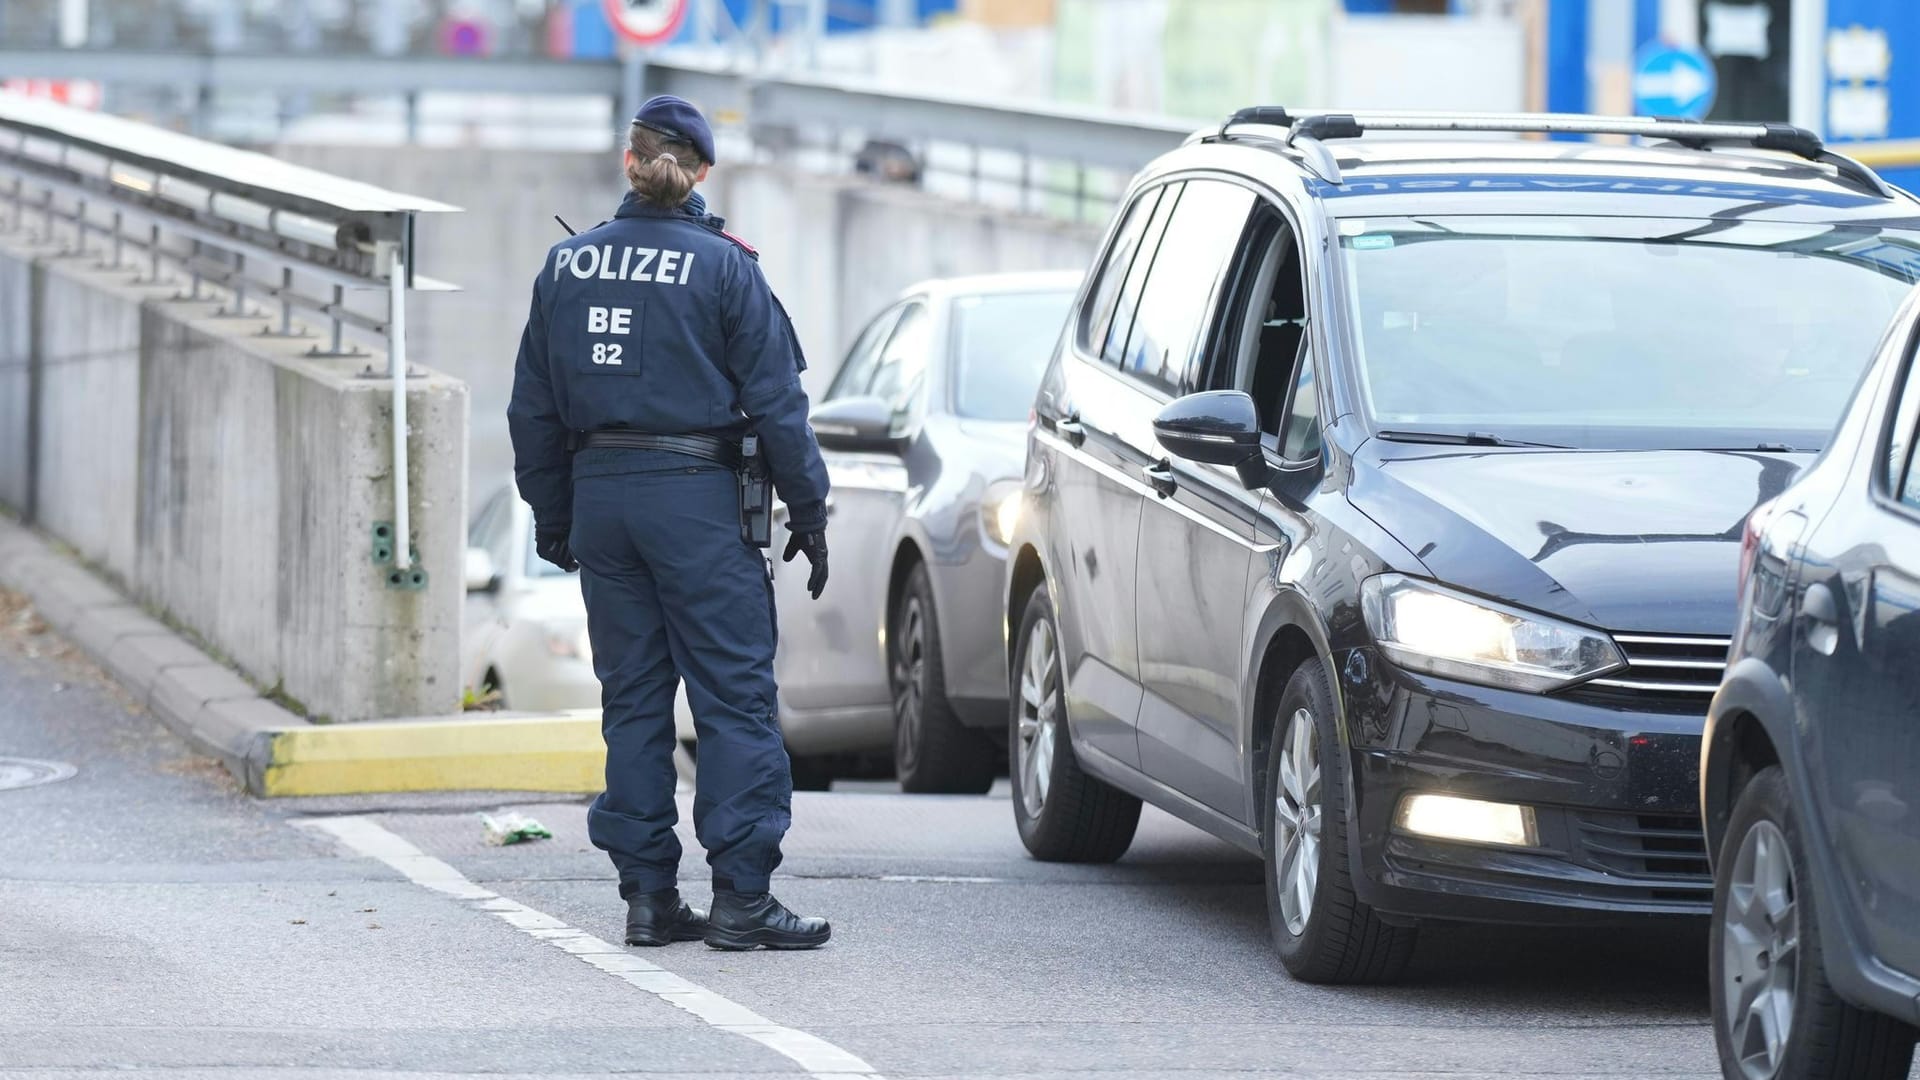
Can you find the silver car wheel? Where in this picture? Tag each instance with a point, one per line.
(1296, 821)
(1039, 717)
(1760, 943)
(909, 680)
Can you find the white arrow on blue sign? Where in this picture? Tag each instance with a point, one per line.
(1672, 80)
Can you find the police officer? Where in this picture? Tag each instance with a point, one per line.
(653, 347)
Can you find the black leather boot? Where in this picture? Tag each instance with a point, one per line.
(655, 918)
(757, 921)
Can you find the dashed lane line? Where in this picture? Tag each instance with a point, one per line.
(817, 1056)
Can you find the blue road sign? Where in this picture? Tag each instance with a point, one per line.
(1673, 80)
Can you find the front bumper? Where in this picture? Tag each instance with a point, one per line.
(555, 684)
(971, 597)
(1614, 792)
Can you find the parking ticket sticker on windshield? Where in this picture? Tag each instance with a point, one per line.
(1373, 242)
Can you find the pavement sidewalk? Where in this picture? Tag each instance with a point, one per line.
(270, 749)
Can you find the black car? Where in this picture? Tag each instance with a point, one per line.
(1810, 767)
(1384, 499)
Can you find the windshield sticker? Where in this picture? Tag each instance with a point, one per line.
(1371, 242)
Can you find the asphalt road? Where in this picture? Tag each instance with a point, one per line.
(154, 920)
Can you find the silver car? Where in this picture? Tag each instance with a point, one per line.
(923, 430)
(523, 642)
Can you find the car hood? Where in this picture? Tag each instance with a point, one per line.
(551, 600)
(1626, 540)
(998, 448)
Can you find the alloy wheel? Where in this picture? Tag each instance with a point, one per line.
(909, 680)
(1760, 943)
(1296, 821)
(1039, 717)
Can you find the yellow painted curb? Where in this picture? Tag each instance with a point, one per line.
(561, 753)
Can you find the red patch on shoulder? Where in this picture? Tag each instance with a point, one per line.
(739, 243)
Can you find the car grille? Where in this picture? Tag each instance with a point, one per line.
(1663, 672)
(1664, 856)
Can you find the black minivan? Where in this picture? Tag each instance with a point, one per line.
(1810, 768)
(1384, 498)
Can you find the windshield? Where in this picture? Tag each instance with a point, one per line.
(1001, 345)
(1620, 332)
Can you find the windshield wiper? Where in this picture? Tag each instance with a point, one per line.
(1471, 438)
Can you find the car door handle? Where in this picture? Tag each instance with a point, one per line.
(1160, 476)
(1069, 428)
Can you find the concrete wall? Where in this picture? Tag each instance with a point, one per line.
(232, 483)
(16, 375)
(836, 249)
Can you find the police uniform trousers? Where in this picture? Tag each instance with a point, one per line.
(673, 594)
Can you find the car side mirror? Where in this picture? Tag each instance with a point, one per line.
(855, 423)
(480, 572)
(1218, 427)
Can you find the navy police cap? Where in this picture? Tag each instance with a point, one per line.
(677, 120)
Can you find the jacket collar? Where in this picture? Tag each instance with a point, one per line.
(694, 209)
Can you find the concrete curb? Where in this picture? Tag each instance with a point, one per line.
(269, 749)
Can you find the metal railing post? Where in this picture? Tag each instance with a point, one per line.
(239, 286)
(397, 371)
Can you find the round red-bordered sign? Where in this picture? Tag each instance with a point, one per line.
(646, 22)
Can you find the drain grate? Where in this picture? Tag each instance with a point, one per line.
(18, 772)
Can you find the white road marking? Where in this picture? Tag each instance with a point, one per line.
(817, 1056)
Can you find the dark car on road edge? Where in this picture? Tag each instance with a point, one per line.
(1384, 500)
(1810, 766)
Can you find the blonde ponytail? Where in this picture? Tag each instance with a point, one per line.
(661, 172)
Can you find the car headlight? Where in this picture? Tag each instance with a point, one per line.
(570, 642)
(1430, 628)
(1000, 510)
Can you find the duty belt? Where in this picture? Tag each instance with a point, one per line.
(701, 446)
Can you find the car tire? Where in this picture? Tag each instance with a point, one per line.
(933, 753)
(1063, 814)
(812, 772)
(1322, 931)
(1758, 912)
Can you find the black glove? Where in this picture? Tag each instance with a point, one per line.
(814, 545)
(551, 545)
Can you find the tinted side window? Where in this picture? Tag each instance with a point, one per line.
(498, 539)
(857, 370)
(1903, 480)
(1097, 314)
(1177, 304)
(1129, 299)
(903, 362)
(1300, 437)
(485, 522)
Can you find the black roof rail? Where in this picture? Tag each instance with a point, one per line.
(1696, 134)
(1267, 115)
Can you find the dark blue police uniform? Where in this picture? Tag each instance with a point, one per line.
(658, 322)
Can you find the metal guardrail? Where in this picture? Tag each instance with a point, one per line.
(175, 205)
(315, 72)
(980, 147)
